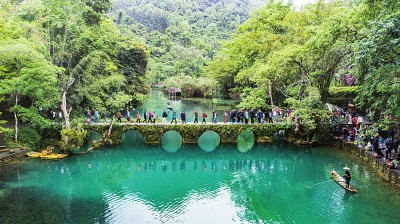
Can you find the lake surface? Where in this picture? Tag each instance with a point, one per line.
(135, 183)
(158, 102)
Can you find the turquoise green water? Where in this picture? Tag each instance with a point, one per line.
(141, 184)
(157, 101)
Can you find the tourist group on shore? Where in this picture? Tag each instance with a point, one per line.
(355, 129)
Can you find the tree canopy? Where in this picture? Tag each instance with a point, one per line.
(281, 51)
(181, 35)
(102, 54)
(69, 56)
(55, 44)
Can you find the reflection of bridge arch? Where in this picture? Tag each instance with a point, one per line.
(209, 141)
(171, 141)
(245, 141)
(90, 138)
(132, 137)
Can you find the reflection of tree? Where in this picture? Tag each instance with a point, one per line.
(252, 178)
(183, 166)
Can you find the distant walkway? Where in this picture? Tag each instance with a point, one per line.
(180, 123)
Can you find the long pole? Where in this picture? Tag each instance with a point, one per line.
(318, 183)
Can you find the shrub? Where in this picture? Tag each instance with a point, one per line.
(29, 136)
(73, 138)
(26, 136)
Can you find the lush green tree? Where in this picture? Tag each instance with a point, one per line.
(181, 35)
(99, 85)
(377, 56)
(69, 49)
(281, 51)
(192, 87)
(2, 129)
(93, 53)
(25, 73)
(309, 112)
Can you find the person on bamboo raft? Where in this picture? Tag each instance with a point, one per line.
(347, 176)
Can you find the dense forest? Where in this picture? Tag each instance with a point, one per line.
(66, 55)
(182, 35)
(103, 55)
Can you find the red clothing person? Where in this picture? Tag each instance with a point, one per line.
(203, 115)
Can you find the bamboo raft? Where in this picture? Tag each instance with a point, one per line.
(340, 180)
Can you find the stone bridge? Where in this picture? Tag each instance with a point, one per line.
(190, 133)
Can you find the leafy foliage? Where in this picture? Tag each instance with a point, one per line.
(182, 35)
(2, 129)
(377, 57)
(193, 87)
(342, 95)
(309, 111)
(286, 48)
(29, 136)
(73, 138)
(72, 48)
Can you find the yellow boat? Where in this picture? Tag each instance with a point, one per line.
(46, 154)
(35, 154)
(54, 156)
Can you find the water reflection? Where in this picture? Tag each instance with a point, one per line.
(110, 169)
(136, 185)
(251, 166)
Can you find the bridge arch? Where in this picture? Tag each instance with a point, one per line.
(171, 141)
(91, 136)
(245, 140)
(209, 141)
(132, 138)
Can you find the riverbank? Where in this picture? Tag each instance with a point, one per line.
(9, 156)
(389, 175)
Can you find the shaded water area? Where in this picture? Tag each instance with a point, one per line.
(135, 183)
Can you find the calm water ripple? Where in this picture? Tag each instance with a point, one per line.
(144, 184)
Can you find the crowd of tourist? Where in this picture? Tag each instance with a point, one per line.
(172, 116)
(381, 144)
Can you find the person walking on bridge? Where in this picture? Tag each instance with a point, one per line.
(145, 116)
(173, 116)
(164, 117)
(203, 115)
(137, 117)
(196, 117)
(225, 116)
(119, 116)
(215, 116)
(128, 116)
(183, 117)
